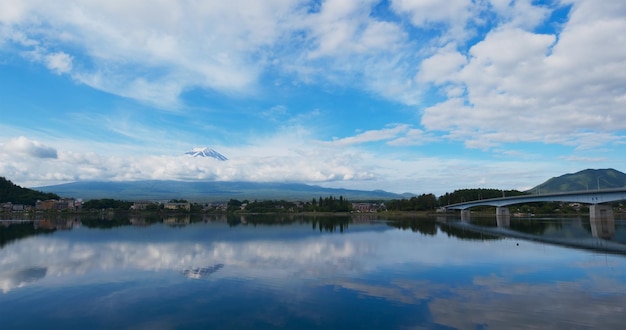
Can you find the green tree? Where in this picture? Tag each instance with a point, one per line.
(107, 203)
(233, 205)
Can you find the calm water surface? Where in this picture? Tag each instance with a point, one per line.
(306, 273)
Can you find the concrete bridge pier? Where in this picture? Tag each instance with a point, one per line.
(465, 215)
(602, 221)
(503, 217)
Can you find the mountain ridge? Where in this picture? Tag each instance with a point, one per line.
(588, 179)
(206, 152)
(209, 191)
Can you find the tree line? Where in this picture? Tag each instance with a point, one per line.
(15, 194)
(326, 204)
(426, 202)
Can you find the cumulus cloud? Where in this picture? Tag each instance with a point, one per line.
(454, 15)
(291, 155)
(494, 79)
(521, 13)
(442, 67)
(24, 146)
(514, 83)
(343, 29)
(523, 86)
(284, 157)
(196, 45)
(187, 45)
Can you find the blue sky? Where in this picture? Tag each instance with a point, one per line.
(407, 96)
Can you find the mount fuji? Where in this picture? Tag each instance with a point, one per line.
(206, 152)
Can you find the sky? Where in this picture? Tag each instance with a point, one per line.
(420, 96)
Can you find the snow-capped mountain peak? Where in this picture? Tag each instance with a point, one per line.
(206, 152)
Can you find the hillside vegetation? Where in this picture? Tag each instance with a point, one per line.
(10, 192)
(588, 179)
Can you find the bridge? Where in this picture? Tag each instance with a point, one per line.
(596, 199)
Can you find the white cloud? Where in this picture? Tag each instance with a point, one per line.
(413, 137)
(289, 156)
(373, 135)
(344, 44)
(32, 148)
(343, 28)
(12, 11)
(520, 13)
(292, 154)
(441, 67)
(59, 62)
(154, 51)
(132, 48)
(454, 14)
(394, 135)
(523, 86)
(514, 85)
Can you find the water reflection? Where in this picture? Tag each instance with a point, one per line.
(15, 230)
(319, 272)
(21, 277)
(275, 254)
(198, 273)
(593, 234)
(503, 220)
(603, 228)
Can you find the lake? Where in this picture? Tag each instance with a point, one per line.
(266, 272)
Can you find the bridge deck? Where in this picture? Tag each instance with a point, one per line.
(584, 197)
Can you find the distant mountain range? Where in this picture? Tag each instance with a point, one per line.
(202, 191)
(588, 179)
(209, 191)
(206, 152)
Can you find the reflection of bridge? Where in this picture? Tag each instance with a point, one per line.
(600, 240)
(594, 197)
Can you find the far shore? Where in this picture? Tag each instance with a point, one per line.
(383, 214)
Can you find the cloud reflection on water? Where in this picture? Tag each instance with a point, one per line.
(462, 283)
(242, 253)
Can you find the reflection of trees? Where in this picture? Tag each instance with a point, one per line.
(261, 219)
(177, 220)
(330, 224)
(534, 227)
(109, 220)
(426, 226)
(16, 231)
(106, 223)
(117, 220)
(323, 223)
(465, 234)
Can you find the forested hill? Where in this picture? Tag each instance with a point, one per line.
(589, 179)
(10, 192)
